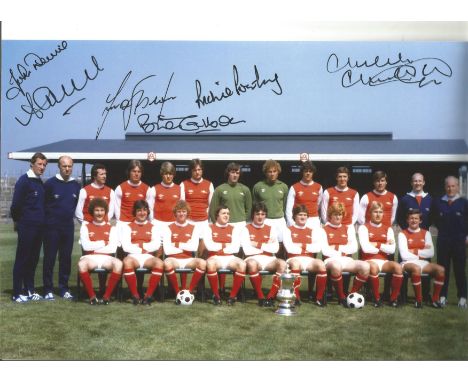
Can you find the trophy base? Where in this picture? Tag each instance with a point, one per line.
(286, 310)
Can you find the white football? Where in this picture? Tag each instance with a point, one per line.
(355, 300)
(184, 297)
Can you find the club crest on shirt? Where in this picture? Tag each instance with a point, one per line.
(127, 194)
(262, 189)
(190, 191)
(175, 235)
(334, 199)
(300, 193)
(160, 196)
(225, 192)
(388, 203)
(295, 235)
(215, 235)
(371, 234)
(56, 196)
(280, 191)
(348, 199)
(331, 235)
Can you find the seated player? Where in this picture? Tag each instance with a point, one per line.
(141, 241)
(337, 251)
(99, 243)
(180, 241)
(377, 244)
(302, 244)
(259, 242)
(415, 247)
(222, 241)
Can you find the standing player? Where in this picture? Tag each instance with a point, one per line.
(415, 248)
(260, 243)
(377, 242)
(341, 193)
(164, 196)
(96, 189)
(61, 197)
(233, 195)
(338, 250)
(273, 192)
(305, 192)
(222, 241)
(28, 214)
(99, 243)
(180, 241)
(141, 241)
(451, 219)
(302, 243)
(416, 199)
(379, 194)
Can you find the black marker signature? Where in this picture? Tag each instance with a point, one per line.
(67, 112)
(422, 71)
(44, 98)
(238, 88)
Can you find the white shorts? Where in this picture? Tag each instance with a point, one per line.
(343, 260)
(279, 224)
(99, 259)
(379, 262)
(263, 260)
(223, 260)
(141, 257)
(182, 263)
(421, 263)
(201, 226)
(303, 260)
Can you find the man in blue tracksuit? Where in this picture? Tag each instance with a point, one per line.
(450, 214)
(417, 199)
(61, 197)
(27, 212)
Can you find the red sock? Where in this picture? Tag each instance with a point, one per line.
(131, 280)
(213, 280)
(416, 281)
(297, 284)
(256, 281)
(88, 284)
(195, 279)
(338, 285)
(438, 284)
(237, 283)
(276, 284)
(320, 284)
(183, 280)
(222, 281)
(358, 282)
(374, 282)
(397, 281)
(172, 278)
(113, 280)
(153, 281)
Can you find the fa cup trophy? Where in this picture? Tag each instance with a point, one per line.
(286, 296)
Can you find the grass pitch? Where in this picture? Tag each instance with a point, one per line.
(63, 330)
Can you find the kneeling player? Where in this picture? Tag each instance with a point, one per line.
(222, 241)
(338, 250)
(377, 244)
(260, 243)
(99, 242)
(415, 247)
(180, 240)
(302, 245)
(141, 241)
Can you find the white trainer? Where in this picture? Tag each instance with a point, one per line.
(49, 297)
(35, 297)
(443, 301)
(20, 299)
(67, 296)
(462, 303)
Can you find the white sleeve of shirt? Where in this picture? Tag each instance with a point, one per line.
(351, 247)
(355, 208)
(210, 196)
(362, 210)
(328, 250)
(324, 206)
(394, 209)
(234, 246)
(87, 244)
(405, 254)
(249, 249)
(289, 245)
(317, 241)
(192, 244)
(208, 241)
(290, 205)
(169, 247)
(118, 202)
(155, 242)
(126, 241)
(113, 243)
(389, 248)
(182, 190)
(427, 253)
(79, 207)
(273, 245)
(110, 215)
(366, 246)
(151, 198)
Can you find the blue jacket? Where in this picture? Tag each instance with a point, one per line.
(451, 221)
(27, 206)
(409, 201)
(60, 200)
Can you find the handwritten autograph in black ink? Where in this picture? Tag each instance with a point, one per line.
(381, 71)
(44, 98)
(238, 86)
(138, 105)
